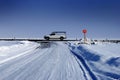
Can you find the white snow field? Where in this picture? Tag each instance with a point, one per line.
(24, 60)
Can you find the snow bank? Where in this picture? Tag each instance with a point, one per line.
(106, 51)
(102, 58)
(12, 49)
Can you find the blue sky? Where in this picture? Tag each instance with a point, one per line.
(35, 18)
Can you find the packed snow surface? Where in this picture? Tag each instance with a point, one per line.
(24, 60)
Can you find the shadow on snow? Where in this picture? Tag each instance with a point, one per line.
(85, 65)
(90, 56)
(114, 62)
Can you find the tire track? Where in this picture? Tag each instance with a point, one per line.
(85, 65)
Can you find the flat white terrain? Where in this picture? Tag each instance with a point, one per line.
(24, 60)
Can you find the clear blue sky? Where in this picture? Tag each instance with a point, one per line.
(35, 18)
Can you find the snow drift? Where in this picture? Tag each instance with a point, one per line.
(24, 60)
(103, 59)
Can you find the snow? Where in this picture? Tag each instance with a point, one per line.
(9, 50)
(106, 50)
(103, 59)
(28, 61)
(24, 60)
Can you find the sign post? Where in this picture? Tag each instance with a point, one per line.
(84, 32)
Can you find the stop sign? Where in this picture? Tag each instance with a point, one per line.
(84, 31)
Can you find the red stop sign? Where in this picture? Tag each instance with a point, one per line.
(84, 31)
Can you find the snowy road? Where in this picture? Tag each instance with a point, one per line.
(24, 60)
(54, 63)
